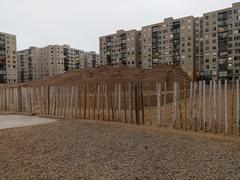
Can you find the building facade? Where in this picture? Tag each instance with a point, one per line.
(206, 47)
(221, 43)
(121, 48)
(169, 42)
(90, 59)
(38, 63)
(8, 59)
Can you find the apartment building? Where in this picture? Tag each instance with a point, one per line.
(169, 42)
(206, 47)
(90, 60)
(221, 45)
(73, 58)
(23, 57)
(8, 59)
(38, 63)
(199, 56)
(121, 48)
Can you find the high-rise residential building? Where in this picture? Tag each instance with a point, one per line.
(221, 44)
(169, 42)
(91, 60)
(73, 58)
(121, 48)
(8, 59)
(24, 60)
(38, 63)
(207, 47)
(199, 56)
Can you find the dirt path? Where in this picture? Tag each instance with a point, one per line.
(99, 150)
(12, 121)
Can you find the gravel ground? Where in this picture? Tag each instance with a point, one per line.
(101, 150)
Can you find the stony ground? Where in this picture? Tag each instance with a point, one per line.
(98, 150)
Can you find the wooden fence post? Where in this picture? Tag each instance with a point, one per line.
(119, 102)
(174, 104)
(232, 108)
(204, 107)
(158, 89)
(215, 106)
(220, 126)
(165, 104)
(85, 101)
(200, 104)
(149, 103)
(124, 102)
(237, 107)
(185, 105)
(225, 107)
(190, 106)
(142, 104)
(195, 106)
(210, 106)
(179, 105)
(136, 104)
(115, 102)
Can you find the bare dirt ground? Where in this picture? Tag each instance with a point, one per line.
(162, 73)
(12, 121)
(74, 149)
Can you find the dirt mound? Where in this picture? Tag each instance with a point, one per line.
(162, 73)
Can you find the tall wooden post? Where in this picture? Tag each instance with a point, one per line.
(164, 105)
(195, 107)
(124, 99)
(119, 103)
(210, 106)
(158, 89)
(225, 107)
(215, 106)
(204, 107)
(200, 105)
(185, 105)
(142, 104)
(237, 107)
(149, 103)
(220, 125)
(190, 106)
(174, 104)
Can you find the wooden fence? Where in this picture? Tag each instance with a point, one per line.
(212, 107)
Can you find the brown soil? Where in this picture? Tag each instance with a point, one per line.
(102, 150)
(162, 73)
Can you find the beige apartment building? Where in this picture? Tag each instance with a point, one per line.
(91, 59)
(121, 48)
(38, 63)
(206, 47)
(8, 59)
(169, 42)
(221, 43)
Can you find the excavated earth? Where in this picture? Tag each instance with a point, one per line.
(74, 149)
(162, 73)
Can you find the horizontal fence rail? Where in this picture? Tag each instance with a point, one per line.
(196, 106)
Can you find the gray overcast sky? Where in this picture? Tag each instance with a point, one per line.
(79, 23)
